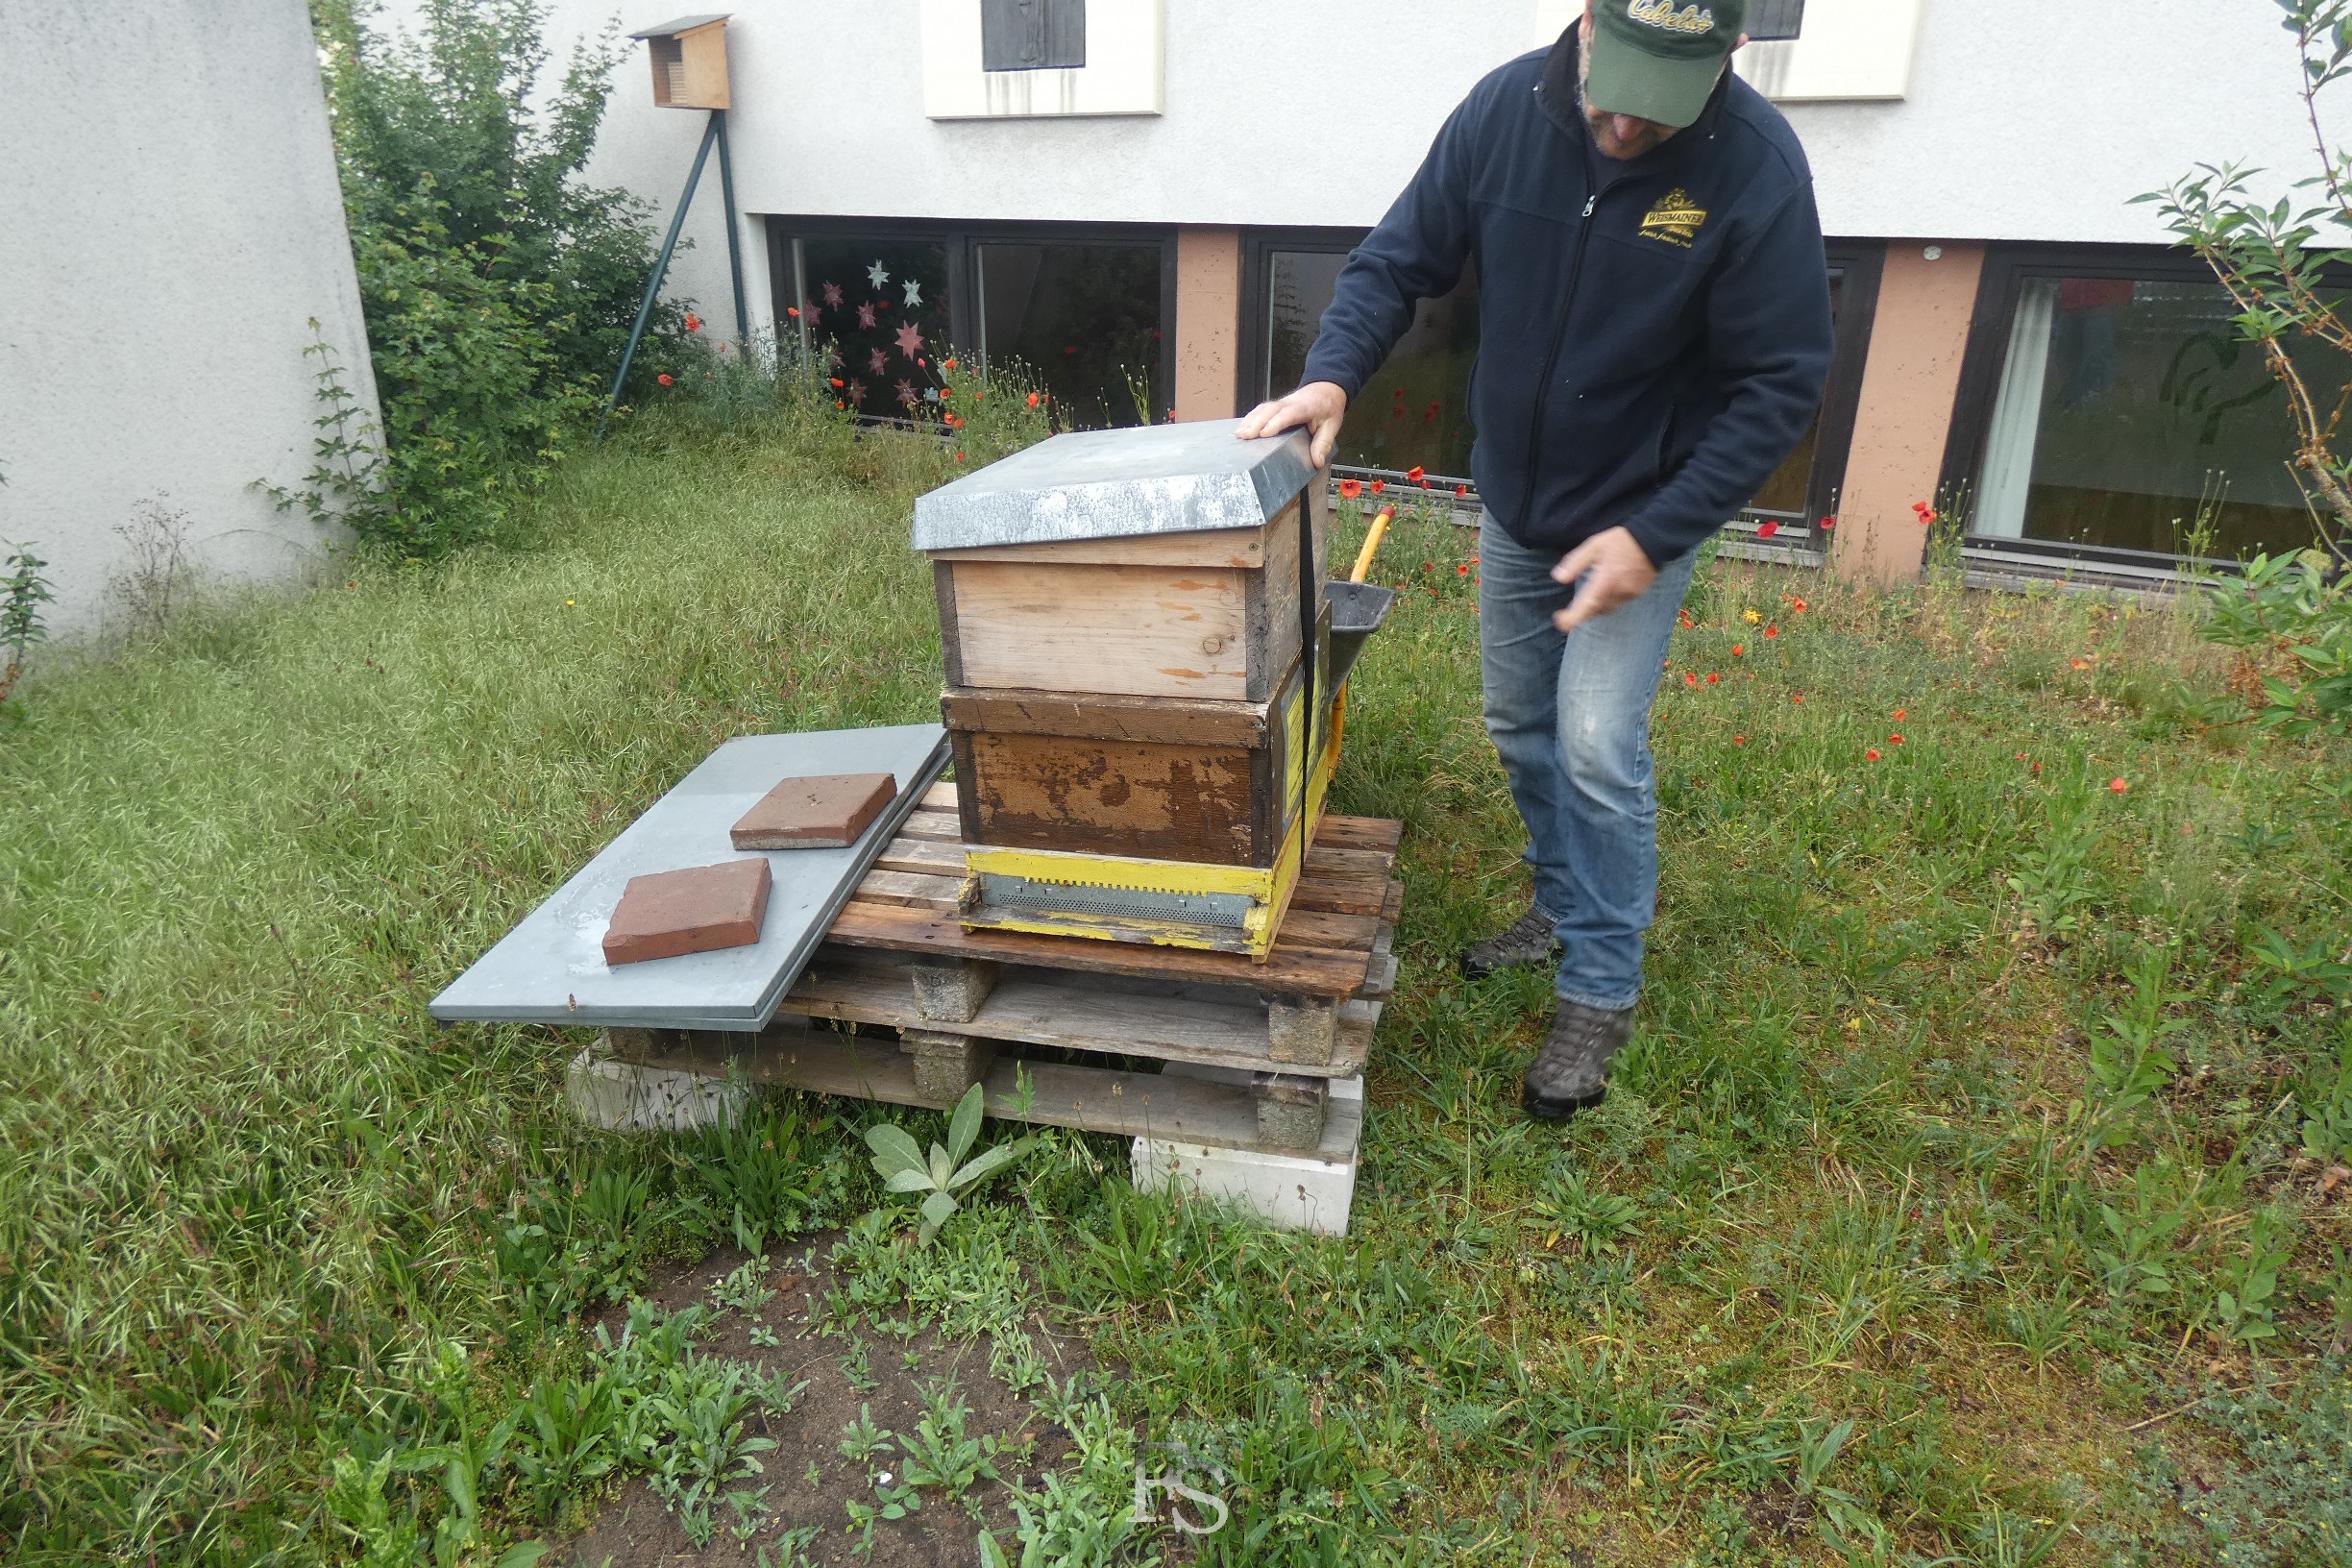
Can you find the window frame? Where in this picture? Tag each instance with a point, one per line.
(961, 239)
(2007, 266)
(1863, 262)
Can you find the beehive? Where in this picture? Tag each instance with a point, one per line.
(1138, 662)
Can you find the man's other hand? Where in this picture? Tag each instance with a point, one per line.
(1318, 405)
(1616, 571)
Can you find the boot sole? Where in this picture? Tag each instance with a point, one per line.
(1547, 1110)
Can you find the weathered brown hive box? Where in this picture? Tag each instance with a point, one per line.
(1120, 613)
(690, 62)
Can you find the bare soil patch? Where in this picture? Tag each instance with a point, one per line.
(868, 1371)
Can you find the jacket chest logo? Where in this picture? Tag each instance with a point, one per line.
(1675, 220)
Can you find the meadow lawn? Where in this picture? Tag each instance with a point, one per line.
(1972, 1191)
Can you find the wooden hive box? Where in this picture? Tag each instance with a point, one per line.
(1126, 657)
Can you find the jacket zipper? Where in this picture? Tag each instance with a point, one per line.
(1559, 328)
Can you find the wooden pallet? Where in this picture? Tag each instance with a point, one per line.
(967, 1004)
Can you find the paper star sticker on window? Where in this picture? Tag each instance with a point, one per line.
(857, 391)
(906, 393)
(876, 275)
(913, 293)
(910, 339)
(809, 311)
(876, 362)
(866, 315)
(833, 295)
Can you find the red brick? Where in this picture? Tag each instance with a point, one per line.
(825, 812)
(699, 910)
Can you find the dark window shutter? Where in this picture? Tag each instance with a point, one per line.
(1771, 19)
(1032, 35)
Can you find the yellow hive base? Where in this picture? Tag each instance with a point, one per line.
(1267, 888)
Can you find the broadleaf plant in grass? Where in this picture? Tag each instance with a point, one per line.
(941, 1175)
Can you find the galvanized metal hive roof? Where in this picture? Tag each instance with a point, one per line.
(1117, 484)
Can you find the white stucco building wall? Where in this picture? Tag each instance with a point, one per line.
(170, 224)
(2019, 121)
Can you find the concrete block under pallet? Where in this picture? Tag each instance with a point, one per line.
(1300, 1191)
(631, 1098)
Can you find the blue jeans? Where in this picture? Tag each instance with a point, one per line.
(1570, 717)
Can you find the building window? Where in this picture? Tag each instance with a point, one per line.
(2112, 411)
(1080, 313)
(1772, 21)
(1804, 488)
(1415, 412)
(883, 303)
(1032, 35)
(1082, 320)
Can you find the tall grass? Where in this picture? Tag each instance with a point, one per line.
(1876, 1155)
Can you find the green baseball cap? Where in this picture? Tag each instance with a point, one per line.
(1659, 60)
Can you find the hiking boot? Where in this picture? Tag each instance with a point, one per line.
(1569, 1073)
(1533, 937)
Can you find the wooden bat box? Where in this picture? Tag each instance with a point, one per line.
(690, 62)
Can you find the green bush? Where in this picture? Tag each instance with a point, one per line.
(498, 289)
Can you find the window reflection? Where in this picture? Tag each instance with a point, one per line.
(1083, 319)
(2129, 410)
(1415, 412)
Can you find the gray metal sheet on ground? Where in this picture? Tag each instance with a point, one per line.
(550, 968)
(1115, 484)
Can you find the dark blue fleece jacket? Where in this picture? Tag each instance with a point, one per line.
(1653, 333)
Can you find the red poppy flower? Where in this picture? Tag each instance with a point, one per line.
(1925, 513)
(1796, 696)
(1767, 531)
(1414, 472)
(792, 310)
(1428, 566)
(1871, 755)
(693, 324)
(1829, 523)
(1689, 679)
(2020, 756)
(2118, 785)
(664, 379)
(837, 381)
(947, 364)
(838, 403)
(2037, 767)
(1799, 605)
(1350, 489)
(1901, 712)
(1772, 631)
(1739, 650)
(1461, 571)
(1714, 679)
(1033, 399)
(1895, 738)
(959, 457)
(1459, 491)
(1378, 485)
(1739, 740)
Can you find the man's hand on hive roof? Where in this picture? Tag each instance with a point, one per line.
(1615, 570)
(1318, 407)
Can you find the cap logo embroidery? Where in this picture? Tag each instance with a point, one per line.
(1675, 220)
(1664, 14)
